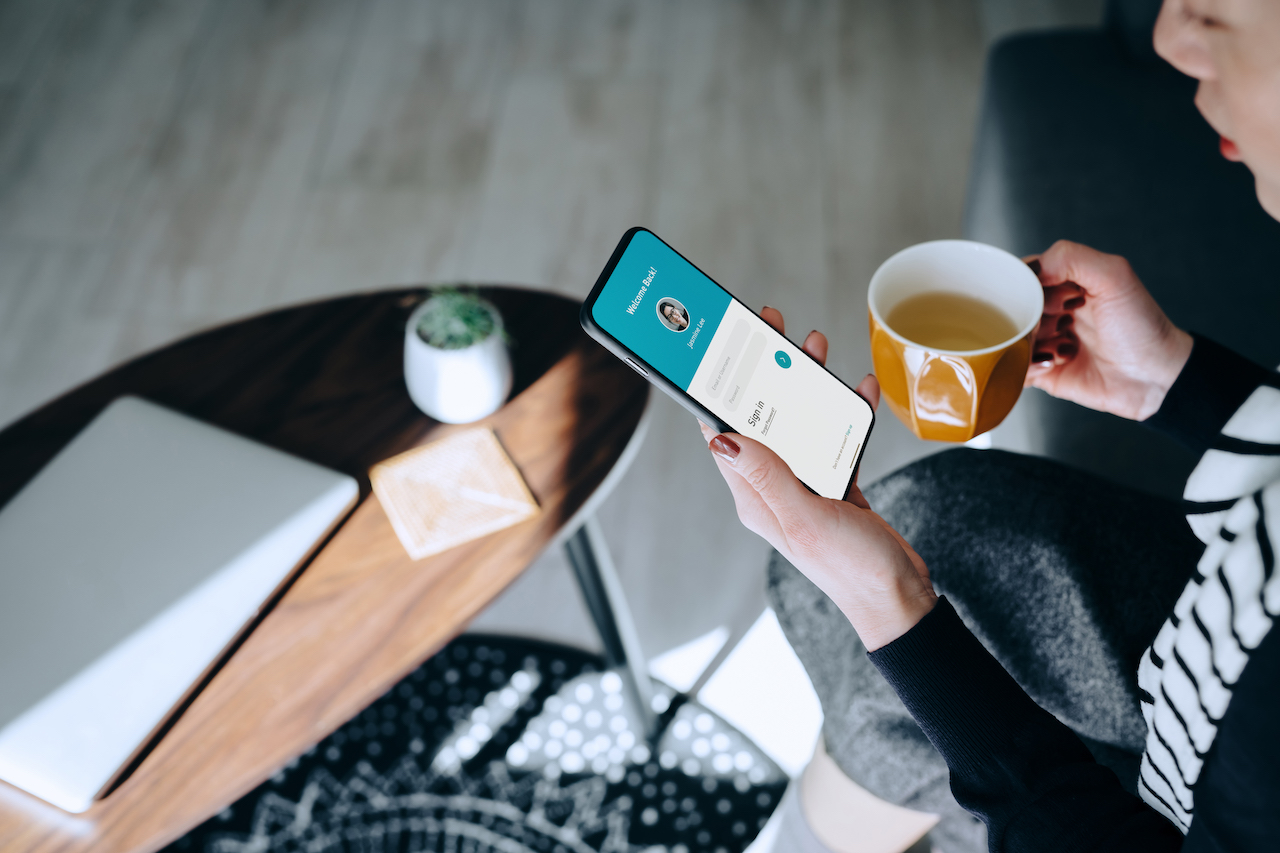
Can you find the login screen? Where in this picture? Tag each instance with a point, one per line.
(701, 339)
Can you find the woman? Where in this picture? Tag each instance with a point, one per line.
(676, 319)
(1098, 602)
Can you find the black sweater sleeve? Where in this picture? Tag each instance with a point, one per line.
(1026, 775)
(1213, 384)
(1239, 787)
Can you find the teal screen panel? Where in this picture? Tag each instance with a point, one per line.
(649, 274)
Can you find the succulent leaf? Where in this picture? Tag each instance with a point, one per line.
(454, 319)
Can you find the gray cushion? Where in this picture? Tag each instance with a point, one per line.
(1077, 140)
(1132, 23)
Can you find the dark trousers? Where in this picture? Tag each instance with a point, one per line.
(1064, 577)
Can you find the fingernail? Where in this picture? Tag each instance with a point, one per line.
(1041, 357)
(1034, 264)
(1064, 321)
(1073, 303)
(1068, 350)
(724, 448)
(766, 307)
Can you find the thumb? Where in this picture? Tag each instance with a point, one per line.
(766, 473)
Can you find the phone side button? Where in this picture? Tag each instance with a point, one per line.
(637, 368)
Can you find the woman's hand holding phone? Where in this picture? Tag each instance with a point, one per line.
(852, 554)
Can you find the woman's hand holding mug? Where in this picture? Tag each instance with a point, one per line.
(1103, 341)
(857, 559)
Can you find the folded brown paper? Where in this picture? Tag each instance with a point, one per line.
(451, 491)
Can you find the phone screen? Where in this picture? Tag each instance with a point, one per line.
(710, 345)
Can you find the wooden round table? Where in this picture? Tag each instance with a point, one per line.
(324, 381)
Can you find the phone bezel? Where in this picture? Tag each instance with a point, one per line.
(597, 332)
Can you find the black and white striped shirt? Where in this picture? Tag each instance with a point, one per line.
(1212, 677)
(1226, 610)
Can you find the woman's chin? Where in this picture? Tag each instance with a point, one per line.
(1269, 197)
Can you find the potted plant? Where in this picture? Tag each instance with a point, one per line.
(456, 365)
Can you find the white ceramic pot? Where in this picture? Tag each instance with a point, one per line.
(456, 386)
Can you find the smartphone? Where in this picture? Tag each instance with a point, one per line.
(689, 336)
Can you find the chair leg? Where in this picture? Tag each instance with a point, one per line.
(588, 554)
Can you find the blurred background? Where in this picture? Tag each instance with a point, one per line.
(168, 166)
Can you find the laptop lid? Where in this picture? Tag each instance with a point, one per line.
(127, 566)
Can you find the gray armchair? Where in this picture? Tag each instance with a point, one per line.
(1088, 135)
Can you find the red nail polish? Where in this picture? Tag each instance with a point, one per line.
(1073, 303)
(1034, 264)
(1064, 321)
(725, 448)
(1068, 350)
(1041, 357)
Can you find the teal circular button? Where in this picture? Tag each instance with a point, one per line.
(782, 358)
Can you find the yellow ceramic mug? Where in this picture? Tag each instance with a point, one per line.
(946, 395)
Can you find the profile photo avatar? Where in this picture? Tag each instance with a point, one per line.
(672, 314)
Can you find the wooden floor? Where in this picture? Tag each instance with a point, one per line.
(166, 166)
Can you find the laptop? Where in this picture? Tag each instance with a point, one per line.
(129, 566)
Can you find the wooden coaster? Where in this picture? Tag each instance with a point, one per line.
(451, 491)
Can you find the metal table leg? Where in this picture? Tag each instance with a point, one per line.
(593, 568)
